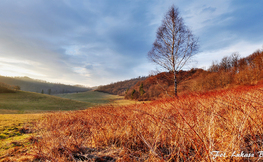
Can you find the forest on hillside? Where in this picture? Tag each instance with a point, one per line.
(119, 88)
(229, 72)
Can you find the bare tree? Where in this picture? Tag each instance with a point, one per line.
(174, 45)
(234, 60)
(225, 64)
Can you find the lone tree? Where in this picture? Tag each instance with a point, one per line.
(175, 44)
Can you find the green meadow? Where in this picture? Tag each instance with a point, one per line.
(29, 102)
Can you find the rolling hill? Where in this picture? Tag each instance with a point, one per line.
(21, 102)
(33, 85)
(30, 102)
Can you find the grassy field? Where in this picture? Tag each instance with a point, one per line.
(189, 128)
(29, 102)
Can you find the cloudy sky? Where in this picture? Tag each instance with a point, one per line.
(96, 42)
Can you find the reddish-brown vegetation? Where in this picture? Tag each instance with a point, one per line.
(234, 71)
(230, 72)
(185, 129)
(5, 88)
(119, 88)
(161, 85)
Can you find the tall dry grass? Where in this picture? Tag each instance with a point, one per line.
(190, 128)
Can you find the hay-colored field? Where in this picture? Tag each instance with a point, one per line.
(188, 128)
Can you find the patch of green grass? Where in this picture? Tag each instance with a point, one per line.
(11, 120)
(10, 136)
(14, 132)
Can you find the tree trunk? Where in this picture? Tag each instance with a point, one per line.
(175, 85)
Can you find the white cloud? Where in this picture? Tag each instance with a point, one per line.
(14, 67)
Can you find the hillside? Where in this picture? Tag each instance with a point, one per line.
(161, 85)
(119, 88)
(231, 71)
(190, 128)
(33, 85)
(30, 102)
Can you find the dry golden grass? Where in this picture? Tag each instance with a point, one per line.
(186, 129)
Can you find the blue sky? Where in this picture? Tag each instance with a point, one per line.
(96, 42)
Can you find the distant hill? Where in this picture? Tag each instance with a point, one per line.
(119, 88)
(231, 71)
(33, 85)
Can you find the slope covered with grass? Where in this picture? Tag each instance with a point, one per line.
(190, 128)
(29, 102)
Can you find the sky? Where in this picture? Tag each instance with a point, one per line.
(97, 42)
